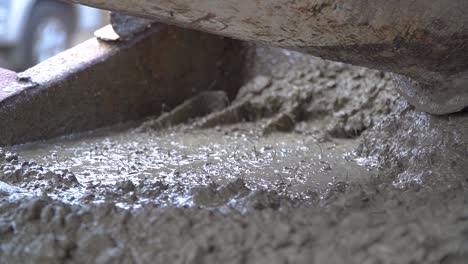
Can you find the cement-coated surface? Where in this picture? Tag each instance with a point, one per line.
(269, 178)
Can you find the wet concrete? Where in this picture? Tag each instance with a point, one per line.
(305, 165)
(419, 148)
(293, 164)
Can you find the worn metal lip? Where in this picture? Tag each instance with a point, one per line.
(60, 66)
(11, 84)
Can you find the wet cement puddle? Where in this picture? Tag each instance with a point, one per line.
(292, 164)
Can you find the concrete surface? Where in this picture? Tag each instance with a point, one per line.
(241, 185)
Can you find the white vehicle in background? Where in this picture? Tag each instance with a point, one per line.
(34, 30)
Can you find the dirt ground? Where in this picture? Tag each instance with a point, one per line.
(312, 162)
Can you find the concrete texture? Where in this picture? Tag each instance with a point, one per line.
(419, 148)
(97, 84)
(423, 40)
(233, 194)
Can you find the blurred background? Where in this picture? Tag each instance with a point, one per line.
(34, 30)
